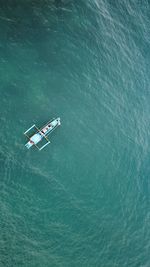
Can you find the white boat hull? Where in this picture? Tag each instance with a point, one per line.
(42, 133)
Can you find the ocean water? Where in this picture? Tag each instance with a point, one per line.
(83, 201)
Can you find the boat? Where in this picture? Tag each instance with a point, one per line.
(40, 135)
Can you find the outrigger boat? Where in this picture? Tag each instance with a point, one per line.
(41, 134)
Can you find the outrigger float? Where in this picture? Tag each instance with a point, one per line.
(41, 134)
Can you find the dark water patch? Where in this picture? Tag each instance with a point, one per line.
(28, 21)
(15, 89)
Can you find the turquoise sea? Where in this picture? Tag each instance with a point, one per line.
(83, 201)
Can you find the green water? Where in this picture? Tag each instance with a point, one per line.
(84, 200)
